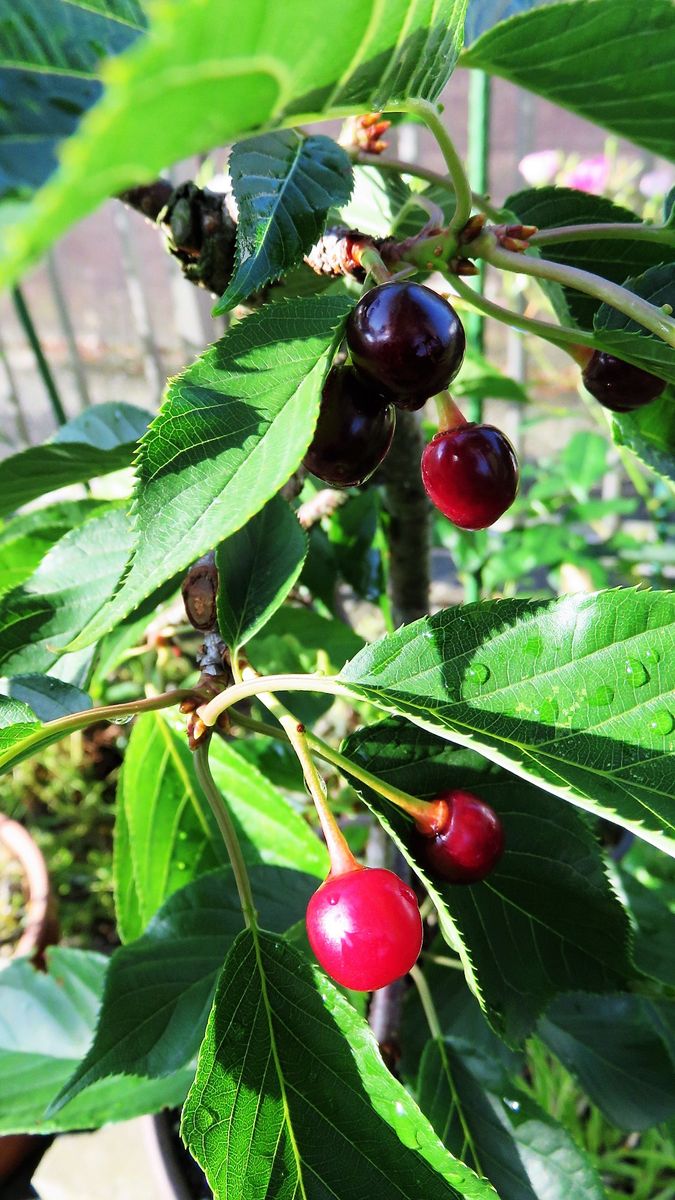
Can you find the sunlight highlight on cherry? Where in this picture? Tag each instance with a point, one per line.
(365, 928)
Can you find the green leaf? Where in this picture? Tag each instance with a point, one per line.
(50, 55)
(649, 432)
(625, 338)
(575, 695)
(523, 1151)
(546, 920)
(47, 697)
(376, 200)
(284, 184)
(159, 989)
(207, 76)
(462, 1023)
(612, 258)
(17, 722)
(168, 835)
(291, 1083)
(257, 567)
(97, 442)
(592, 41)
(233, 428)
(654, 939)
(483, 14)
(482, 380)
(50, 608)
(47, 1023)
(622, 1051)
(25, 539)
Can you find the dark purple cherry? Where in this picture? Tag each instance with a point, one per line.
(471, 474)
(407, 339)
(353, 432)
(471, 842)
(619, 385)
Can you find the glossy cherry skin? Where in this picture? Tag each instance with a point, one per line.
(471, 843)
(353, 432)
(471, 474)
(619, 385)
(365, 928)
(407, 339)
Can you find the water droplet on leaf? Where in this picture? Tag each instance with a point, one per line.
(652, 655)
(636, 672)
(478, 672)
(534, 645)
(204, 1118)
(662, 722)
(602, 695)
(547, 711)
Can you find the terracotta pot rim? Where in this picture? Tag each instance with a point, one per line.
(39, 925)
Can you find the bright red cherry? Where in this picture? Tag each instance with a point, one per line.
(619, 385)
(469, 846)
(364, 927)
(353, 432)
(471, 474)
(407, 340)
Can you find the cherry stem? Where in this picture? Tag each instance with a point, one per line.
(463, 195)
(342, 860)
(622, 229)
(224, 821)
(449, 415)
(372, 262)
(51, 731)
(408, 168)
(559, 335)
(268, 684)
(628, 303)
(429, 815)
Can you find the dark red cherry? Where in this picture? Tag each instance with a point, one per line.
(470, 845)
(407, 339)
(365, 928)
(619, 385)
(471, 474)
(353, 432)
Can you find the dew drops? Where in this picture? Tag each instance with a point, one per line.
(534, 646)
(514, 1105)
(182, 835)
(181, 866)
(602, 695)
(636, 672)
(123, 720)
(662, 722)
(478, 672)
(204, 1118)
(547, 711)
(653, 656)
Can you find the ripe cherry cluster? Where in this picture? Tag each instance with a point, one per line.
(364, 923)
(619, 385)
(407, 344)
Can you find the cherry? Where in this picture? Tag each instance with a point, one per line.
(353, 432)
(471, 842)
(619, 385)
(364, 927)
(471, 474)
(407, 339)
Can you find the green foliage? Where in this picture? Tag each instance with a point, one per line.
(593, 40)
(48, 1020)
(530, 684)
(649, 433)
(257, 567)
(546, 919)
(619, 334)
(97, 442)
(334, 1119)
(284, 184)
(232, 429)
(273, 63)
(612, 258)
(159, 988)
(52, 79)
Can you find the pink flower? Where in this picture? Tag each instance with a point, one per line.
(540, 168)
(589, 175)
(657, 183)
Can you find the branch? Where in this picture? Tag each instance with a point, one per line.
(635, 230)
(408, 528)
